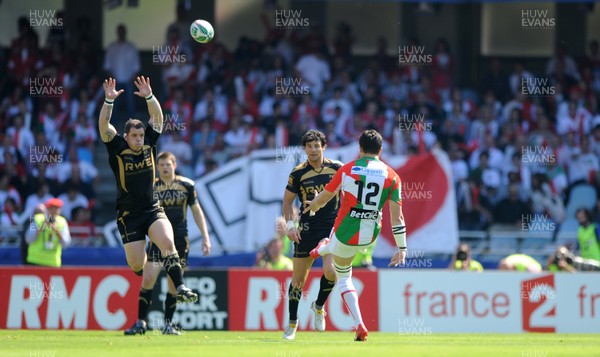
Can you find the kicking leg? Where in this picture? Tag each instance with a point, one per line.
(343, 270)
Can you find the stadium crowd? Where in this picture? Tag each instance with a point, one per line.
(517, 143)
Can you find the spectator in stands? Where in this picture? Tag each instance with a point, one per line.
(544, 201)
(122, 62)
(37, 177)
(584, 165)
(81, 227)
(183, 153)
(82, 105)
(177, 69)
(7, 191)
(520, 262)
(562, 60)
(588, 236)
(65, 170)
(328, 113)
(49, 237)
(22, 137)
(8, 147)
(271, 257)
(84, 134)
(35, 199)
(212, 106)
(442, 69)
(10, 217)
(463, 260)
(314, 71)
(76, 179)
(520, 77)
(71, 199)
(236, 138)
(511, 210)
(575, 119)
(51, 122)
(179, 111)
(496, 81)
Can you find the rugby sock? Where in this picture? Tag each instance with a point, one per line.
(294, 295)
(144, 302)
(170, 306)
(349, 295)
(174, 270)
(324, 291)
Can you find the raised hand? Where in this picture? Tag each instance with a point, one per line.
(110, 91)
(143, 85)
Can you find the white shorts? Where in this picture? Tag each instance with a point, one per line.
(344, 250)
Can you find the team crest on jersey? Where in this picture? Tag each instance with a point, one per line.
(365, 171)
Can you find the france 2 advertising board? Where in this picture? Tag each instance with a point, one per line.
(427, 302)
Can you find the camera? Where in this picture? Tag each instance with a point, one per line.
(578, 263)
(461, 255)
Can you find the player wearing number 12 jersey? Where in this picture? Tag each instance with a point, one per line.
(365, 184)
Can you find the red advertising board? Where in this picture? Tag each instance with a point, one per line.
(258, 301)
(68, 298)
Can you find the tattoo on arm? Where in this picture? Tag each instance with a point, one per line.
(109, 134)
(108, 113)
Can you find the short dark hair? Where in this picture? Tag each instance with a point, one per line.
(370, 142)
(133, 123)
(314, 135)
(165, 155)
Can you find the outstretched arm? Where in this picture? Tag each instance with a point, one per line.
(107, 131)
(145, 91)
(201, 223)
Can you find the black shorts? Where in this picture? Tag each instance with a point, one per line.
(134, 226)
(183, 248)
(309, 240)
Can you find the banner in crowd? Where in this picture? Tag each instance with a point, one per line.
(242, 200)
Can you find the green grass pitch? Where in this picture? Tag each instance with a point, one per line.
(307, 344)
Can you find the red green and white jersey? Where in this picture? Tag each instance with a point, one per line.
(366, 184)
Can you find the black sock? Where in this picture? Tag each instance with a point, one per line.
(324, 290)
(170, 306)
(144, 302)
(174, 270)
(294, 295)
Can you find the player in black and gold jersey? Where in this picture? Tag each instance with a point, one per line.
(175, 193)
(132, 160)
(306, 181)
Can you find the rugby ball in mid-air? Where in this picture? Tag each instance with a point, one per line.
(202, 31)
